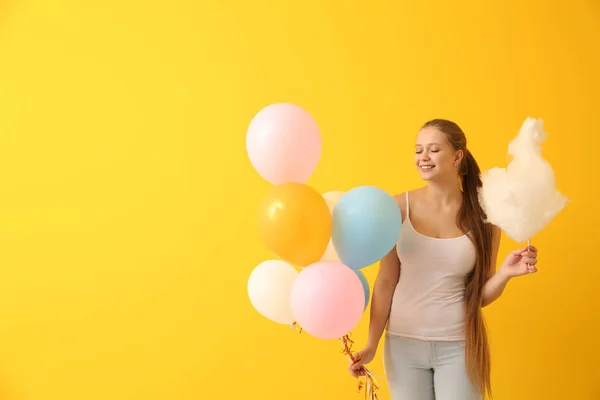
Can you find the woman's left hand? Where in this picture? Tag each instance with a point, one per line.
(520, 262)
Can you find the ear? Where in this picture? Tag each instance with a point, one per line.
(458, 157)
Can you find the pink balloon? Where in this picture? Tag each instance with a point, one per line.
(284, 143)
(327, 299)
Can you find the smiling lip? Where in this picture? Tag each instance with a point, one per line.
(426, 167)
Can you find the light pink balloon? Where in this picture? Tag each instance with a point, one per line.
(327, 299)
(284, 143)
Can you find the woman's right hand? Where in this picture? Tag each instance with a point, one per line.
(363, 357)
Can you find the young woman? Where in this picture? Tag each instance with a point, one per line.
(431, 287)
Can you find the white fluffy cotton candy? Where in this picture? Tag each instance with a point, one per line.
(521, 199)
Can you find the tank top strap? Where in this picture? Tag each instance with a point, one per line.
(407, 208)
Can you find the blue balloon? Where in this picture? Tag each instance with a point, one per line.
(365, 283)
(366, 226)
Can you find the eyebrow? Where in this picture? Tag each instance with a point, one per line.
(430, 144)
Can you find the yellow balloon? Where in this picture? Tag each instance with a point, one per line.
(294, 222)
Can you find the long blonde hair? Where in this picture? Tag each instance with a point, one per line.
(471, 218)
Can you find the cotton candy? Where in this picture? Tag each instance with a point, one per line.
(522, 199)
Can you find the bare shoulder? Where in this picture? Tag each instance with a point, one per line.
(401, 200)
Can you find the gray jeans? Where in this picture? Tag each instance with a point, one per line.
(423, 370)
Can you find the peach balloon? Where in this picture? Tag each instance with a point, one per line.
(330, 253)
(334, 196)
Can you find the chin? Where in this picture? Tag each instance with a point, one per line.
(427, 176)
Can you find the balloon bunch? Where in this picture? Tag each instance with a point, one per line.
(320, 241)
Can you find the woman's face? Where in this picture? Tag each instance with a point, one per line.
(435, 158)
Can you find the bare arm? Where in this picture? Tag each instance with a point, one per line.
(383, 292)
(497, 281)
(381, 303)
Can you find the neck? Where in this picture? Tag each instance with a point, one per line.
(445, 192)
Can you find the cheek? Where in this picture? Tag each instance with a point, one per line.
(443, 160)
(436, 157)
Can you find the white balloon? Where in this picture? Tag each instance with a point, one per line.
(269, 288)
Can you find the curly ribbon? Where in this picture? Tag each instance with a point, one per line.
(294, 325)
(371, 383)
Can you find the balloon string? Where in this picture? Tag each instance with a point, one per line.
(371, 383)
(294, 325)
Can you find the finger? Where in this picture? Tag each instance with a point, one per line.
(531, 254)
(530, 261)
(532, 248)
(357, 366)
(532, 270)
(517, 253)
(356, 373)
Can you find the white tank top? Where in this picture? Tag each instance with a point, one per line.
(428, 302)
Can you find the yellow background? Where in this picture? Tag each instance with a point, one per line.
(127, 202)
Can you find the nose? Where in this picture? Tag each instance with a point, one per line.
(425, 156)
